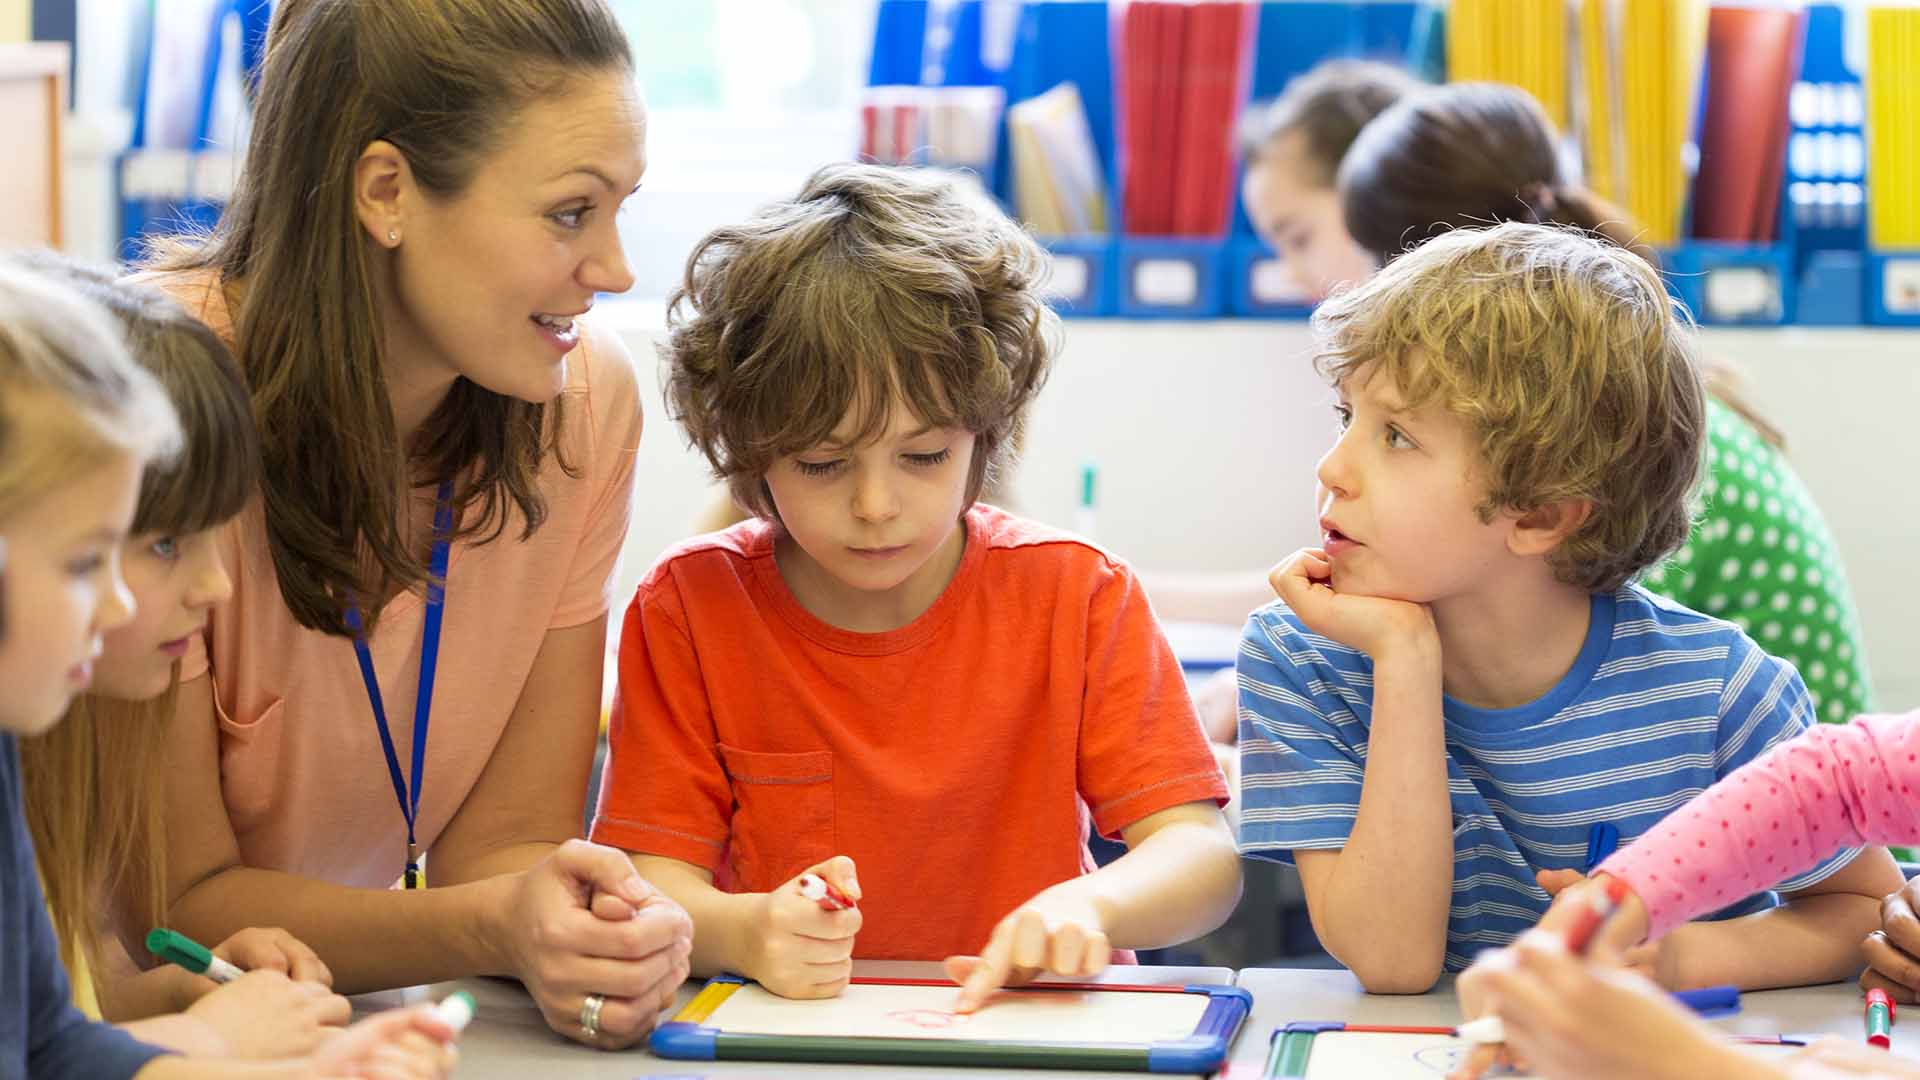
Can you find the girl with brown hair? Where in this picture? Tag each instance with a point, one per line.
(1293, 151)
(406, 684)
(1464, 155)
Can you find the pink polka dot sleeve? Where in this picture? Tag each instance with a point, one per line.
(1835, 786)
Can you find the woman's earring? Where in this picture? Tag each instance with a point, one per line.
(393, 237)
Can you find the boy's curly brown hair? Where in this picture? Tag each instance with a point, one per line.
(872, 285)
(1571, 364)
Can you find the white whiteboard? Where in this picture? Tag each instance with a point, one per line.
(1133, 1018)
(1342, 1055)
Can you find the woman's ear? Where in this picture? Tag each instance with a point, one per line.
(1542, 529)
(383, 188)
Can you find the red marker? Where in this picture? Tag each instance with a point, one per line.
(815, 888)
(1588, 917)
(1879, 1018)
(1592, 915)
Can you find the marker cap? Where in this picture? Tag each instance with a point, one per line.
(457, 1010)
(179, 949)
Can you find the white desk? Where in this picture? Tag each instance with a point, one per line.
(1283, 995)
(508, 1040)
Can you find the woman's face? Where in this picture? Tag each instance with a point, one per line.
(489, 282)
(1302, 219)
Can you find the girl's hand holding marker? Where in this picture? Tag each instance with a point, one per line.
(1587, 908)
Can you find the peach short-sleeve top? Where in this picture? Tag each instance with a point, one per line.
(301, 768)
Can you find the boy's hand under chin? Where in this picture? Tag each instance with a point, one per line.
(1372, 624)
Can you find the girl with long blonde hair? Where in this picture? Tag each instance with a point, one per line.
(79, 424)
(93, 801)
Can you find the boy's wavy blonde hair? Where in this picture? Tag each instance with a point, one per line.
(1572, 365)
(871, 285)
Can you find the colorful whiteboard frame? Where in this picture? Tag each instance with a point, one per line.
(1291, 1045)
(1204, 1051)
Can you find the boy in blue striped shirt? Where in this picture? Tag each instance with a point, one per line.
(1462, 680)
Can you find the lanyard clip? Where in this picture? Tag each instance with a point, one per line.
(412, 878)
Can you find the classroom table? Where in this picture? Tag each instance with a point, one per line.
(1283, 995)
(508, 1040)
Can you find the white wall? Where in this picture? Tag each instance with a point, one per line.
(1205, 434)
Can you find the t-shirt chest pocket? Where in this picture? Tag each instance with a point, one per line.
(782, 814)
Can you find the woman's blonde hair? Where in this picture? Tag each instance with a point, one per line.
(71, 399)
(93, 802)
(1568, 360)
(872, 285)
(442, 80)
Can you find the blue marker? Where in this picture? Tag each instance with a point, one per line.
(1710, 1002)
(1602, 840)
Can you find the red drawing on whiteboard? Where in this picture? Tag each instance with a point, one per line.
(930, 1019)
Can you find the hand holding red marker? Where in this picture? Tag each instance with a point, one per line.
(1596, 906)
(801, 932)
(821, 891)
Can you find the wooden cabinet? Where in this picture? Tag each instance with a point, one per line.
(33, 99)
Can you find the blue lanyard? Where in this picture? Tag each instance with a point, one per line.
(429, 659)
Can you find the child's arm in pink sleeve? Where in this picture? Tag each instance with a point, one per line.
(1832, 787)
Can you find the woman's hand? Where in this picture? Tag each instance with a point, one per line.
(581, 923)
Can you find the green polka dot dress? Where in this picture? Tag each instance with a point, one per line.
(1763, 558)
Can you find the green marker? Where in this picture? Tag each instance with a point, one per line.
(190, 954)
(1879, 1018)
(1083, 511)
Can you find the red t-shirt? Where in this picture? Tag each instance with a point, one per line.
(957, 759)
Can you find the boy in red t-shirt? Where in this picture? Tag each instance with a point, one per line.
(876, 672)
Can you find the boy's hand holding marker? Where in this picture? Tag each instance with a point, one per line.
(1058, 932)
(804, 939)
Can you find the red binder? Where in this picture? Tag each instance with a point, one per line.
(1184, 68)
(1752, 61)
(1136, 135)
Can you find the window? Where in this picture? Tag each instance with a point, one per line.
(745, 98)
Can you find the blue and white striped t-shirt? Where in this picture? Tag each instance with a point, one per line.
(1661, 702)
